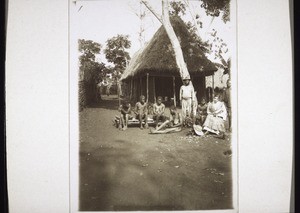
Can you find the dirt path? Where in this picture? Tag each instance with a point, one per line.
(134, 170)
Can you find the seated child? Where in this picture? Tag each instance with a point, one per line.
(201, 112)
(150, 108)
(141, 111)
(158, 111)
(172, 124)
(125, 109)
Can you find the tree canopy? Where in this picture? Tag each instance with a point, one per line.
(215, 7)
(115, 51)
(88, 48)
(90, 69)
(177, 7)
(212, 8)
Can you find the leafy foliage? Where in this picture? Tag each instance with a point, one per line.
(195, 38)
(88, 49)
(218, 47)
(177, 7)
(91, 71)
(215, 7)
(115, 51)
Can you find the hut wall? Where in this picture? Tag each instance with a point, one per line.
(125, 89)
(134, 91)
(199, 85)
(151, 89)
(139, 88)
(164, 87)
(220, 80)
(143, 86)
(178, 84)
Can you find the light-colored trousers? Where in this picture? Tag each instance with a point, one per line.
(186, 107)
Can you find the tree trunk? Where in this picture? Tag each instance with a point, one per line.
(184, 73)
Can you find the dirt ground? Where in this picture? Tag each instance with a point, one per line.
(135, 170)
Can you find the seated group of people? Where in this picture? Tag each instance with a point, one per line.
(210, 116)
(141, 113)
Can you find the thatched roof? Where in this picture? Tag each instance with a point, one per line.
(157, 56)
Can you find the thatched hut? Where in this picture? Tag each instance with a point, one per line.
(153, 72)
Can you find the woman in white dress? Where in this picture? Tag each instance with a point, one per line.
(216, 117)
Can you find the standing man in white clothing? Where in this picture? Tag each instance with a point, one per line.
(186, 97)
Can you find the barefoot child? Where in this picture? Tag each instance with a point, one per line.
(173, 124)
(201, 112)
(141, 111)
(125, 109)
(158, 111)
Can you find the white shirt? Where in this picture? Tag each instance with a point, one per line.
(218, 108)
(186, 92)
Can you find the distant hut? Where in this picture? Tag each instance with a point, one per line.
(153, 72)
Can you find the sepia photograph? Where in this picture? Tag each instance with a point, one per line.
(135, 105)
(153, 84)
(149, 105)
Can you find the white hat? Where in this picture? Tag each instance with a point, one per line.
(198, 130)
(187, 77)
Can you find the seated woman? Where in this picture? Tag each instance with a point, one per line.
(201, 112)
(125, 109)
(172, 124)
(216, 116)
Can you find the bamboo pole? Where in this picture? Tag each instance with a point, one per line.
(154, 89)
(147, 87)
(174, 91)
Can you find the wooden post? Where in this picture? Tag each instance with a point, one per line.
(213, 84)
(147, 87)
(141, 88)
(119, 98)
(154, 89)
(134, 90)
(174, 91)
(204, 87)
(131, 89)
